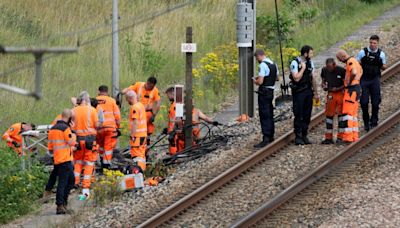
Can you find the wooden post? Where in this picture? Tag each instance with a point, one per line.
(188, 96)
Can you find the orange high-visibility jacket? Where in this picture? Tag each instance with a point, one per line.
(146, 97)
(171, 117)
(352, 63)
(60, 141)
(86, 119)
(137, 112)
(111, 111)
(14, 133)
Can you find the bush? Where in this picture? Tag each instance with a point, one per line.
(267, 29)
(18, 189)
(107, 187)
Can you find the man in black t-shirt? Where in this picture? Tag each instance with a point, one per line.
(332, 82)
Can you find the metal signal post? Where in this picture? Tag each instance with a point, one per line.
(246, 42)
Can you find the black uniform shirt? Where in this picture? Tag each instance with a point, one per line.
(334, 78)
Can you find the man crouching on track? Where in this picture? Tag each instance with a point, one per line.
(352, 92)
(61, 143)
(138, 130)
(332, 81)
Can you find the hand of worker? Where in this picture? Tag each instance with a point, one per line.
(303, 65)
(15, 144)
(165, 131)
(118, 132)
(215, 123)
(152, 118)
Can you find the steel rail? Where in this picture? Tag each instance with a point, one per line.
(228, 175)
(316, 174)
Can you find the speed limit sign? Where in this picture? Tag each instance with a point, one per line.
(188, 47)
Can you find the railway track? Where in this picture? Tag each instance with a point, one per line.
(330, 165)
(261, 158)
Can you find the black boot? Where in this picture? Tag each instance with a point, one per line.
(306, 140)
(298, 140)
(265, 142)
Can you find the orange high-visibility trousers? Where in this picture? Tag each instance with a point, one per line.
(106, 143)
(138, 151)
(349, 120)
(84, 158)
(334, 106)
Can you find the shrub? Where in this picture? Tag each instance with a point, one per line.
(19, 189)
(107, 187)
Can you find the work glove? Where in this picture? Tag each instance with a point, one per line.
(16, 145)
(152, 118)
(165, 131)
(356, 89)
(215, 123)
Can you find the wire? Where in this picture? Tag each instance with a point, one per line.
(139, 21)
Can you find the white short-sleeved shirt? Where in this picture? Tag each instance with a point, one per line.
(294, 66)
(361, 55)
(264, 70)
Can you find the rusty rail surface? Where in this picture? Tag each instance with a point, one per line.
(225, 177)
(317, 173)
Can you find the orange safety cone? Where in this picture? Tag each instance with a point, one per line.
(243, 118)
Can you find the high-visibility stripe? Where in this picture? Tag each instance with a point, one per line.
(106, 162)
(355, 129)
(76, 174)
(348, 117)
(139, 159)
(89, 163)
(329, 131)
(56, 140)
(88, 118)
(329, 121)
(61, 147)
(89, 130)
(348, 129)
(117, 113)
(109, 152)
(108, 112)
(79, 162)
(141, 130)
(87, 177)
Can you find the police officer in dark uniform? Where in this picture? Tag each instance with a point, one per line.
(266, 78)
(304, 89)
(372, 60)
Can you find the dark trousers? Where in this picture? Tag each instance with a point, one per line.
(52, 179)
(65, 174)
(370, 88)
(266, 112)
(302, 108)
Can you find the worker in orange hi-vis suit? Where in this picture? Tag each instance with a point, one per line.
(109, 131)
(170, 92)
(197, 117)
(147, 94)
(13, 136)
(138, 130)
(332, 81)
(86, 123)
(351, 96)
